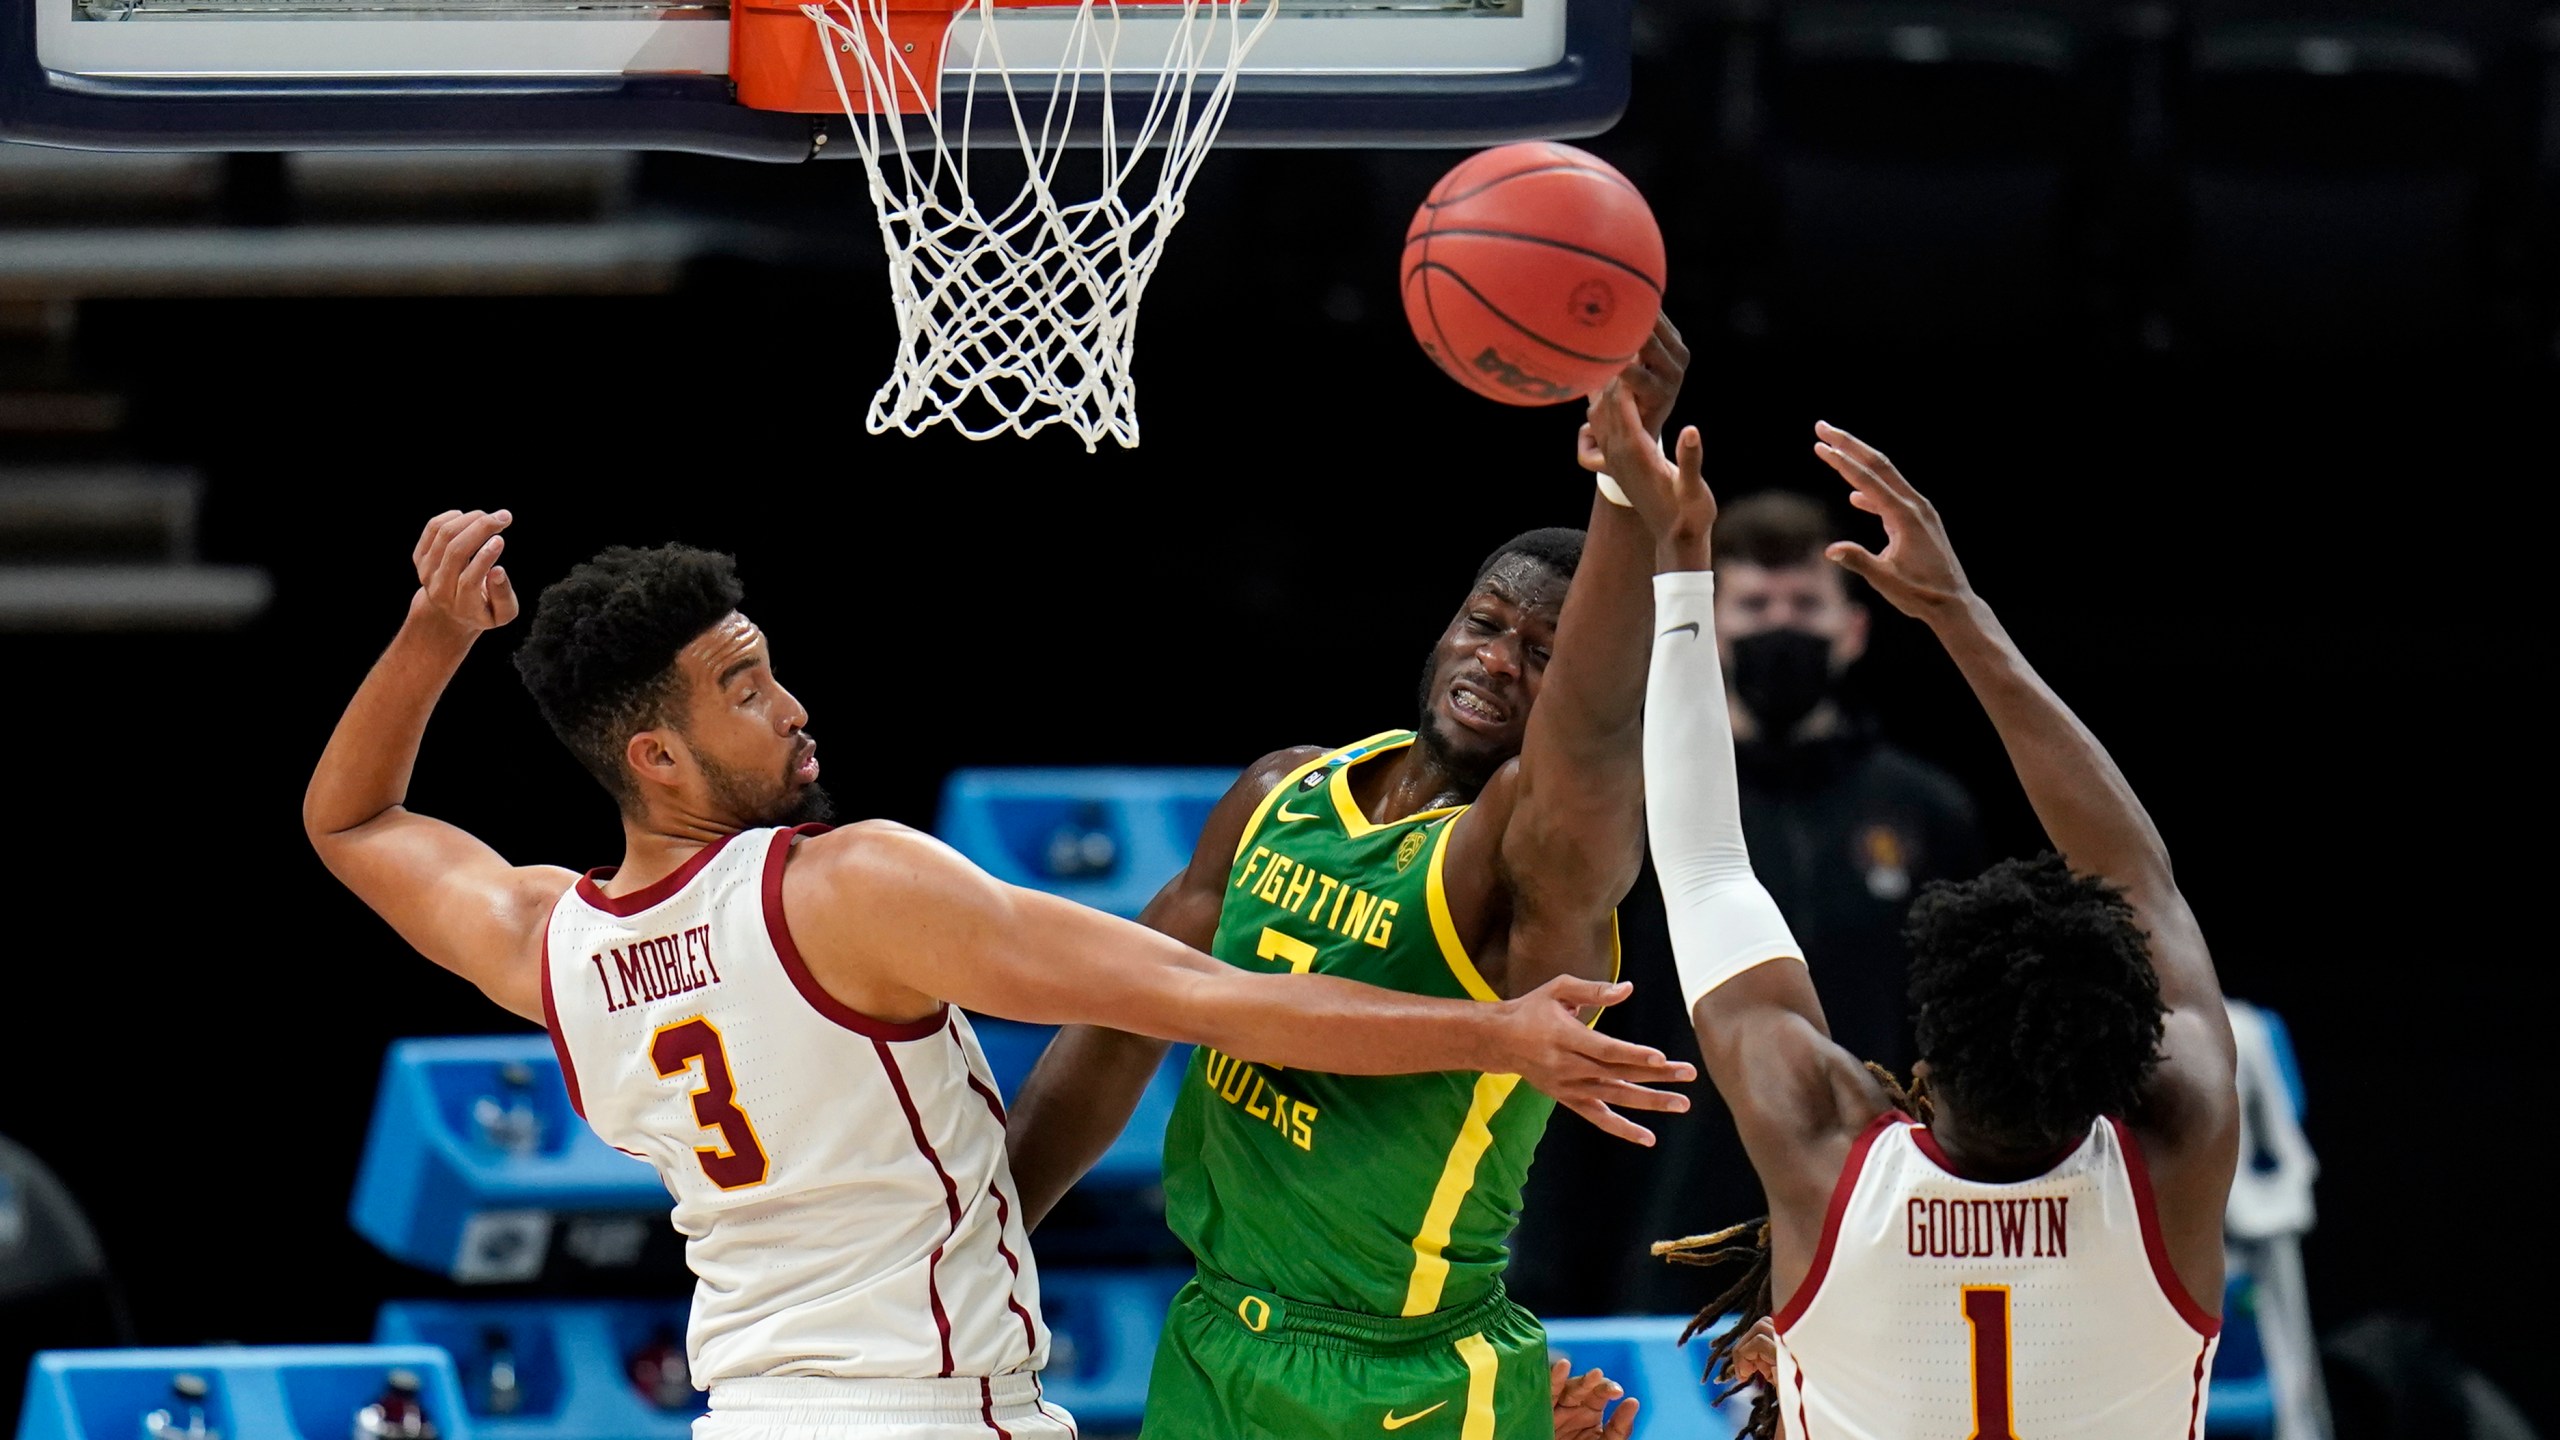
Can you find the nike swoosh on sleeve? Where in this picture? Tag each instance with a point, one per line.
(1691, 627)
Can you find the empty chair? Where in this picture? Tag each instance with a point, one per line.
(2332, 182)
(1932, 169)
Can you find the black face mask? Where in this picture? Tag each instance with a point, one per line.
(1780, 676)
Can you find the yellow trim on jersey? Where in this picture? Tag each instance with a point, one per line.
(1444, 928)
(1457, 1177)
(1270, 798)
(1354, 822)
(1482, 1364)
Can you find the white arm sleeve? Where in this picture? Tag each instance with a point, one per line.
(1722, 920)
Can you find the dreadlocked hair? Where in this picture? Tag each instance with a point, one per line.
(2034, 1001)
(1748, 1298)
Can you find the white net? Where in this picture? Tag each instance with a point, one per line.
(1019, 315)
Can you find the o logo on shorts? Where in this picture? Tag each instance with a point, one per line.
(1255, 1312)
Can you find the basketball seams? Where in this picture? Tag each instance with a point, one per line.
(1497, 360)
(1447, 355)
(1583, 250)
(1438, 201)
(1504, 316)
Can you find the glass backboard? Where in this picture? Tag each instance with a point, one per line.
(652, 74)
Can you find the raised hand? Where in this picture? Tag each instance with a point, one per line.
(1580, 1399)
(459, 577)
(1545, 1042)
(1654, 379)
(1917, 570)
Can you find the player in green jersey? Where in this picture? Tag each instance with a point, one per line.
(1350, 1229)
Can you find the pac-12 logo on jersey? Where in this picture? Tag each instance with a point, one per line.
(1406, 849)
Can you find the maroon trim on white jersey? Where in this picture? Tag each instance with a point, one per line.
(987, 1407)
(1804, 1429)
(776, 856)
(2139, 1175)
(950, 1193)
(591, 885)
(1841, 1189)
(551, 1024)
(1004, 1212)
(2195, 1398)
(1040, 1402)
(1928, 1146)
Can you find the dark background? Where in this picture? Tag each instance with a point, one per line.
(2269, 510)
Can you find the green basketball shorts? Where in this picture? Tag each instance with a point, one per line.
(1237, 1363)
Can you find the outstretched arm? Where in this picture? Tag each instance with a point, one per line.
(1559, 835)
(1797, 1098)
(448, 894)
(2087, 807)
(1088, 1082)
(896, 908)
(2189, 1115)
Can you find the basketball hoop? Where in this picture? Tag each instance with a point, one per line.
(1018, 315)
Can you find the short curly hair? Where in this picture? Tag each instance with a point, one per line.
(2033, 1001)
(1557, 547)
(600, 654)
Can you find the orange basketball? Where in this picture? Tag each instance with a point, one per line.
(1533, 273)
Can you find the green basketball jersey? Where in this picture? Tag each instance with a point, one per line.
(1388, 1195)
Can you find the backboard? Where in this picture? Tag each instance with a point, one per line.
(654, 74)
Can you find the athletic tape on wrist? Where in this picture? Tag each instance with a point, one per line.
(1610, 492)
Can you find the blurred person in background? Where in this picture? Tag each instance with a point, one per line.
(1844, 826)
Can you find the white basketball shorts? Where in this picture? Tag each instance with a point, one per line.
(1004, 1407)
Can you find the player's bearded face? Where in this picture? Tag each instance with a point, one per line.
(758, 795)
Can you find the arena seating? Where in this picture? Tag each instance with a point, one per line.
(1961, 132)
(283, 1392)
(438, 1189)
(567, 1363)
(2185, 175)
(1102, 837)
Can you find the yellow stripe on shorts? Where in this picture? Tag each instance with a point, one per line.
(1481, 1364)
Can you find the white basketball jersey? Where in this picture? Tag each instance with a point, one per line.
(1942, 1307)
(840, 1181)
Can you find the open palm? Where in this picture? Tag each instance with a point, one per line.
(1917, 570)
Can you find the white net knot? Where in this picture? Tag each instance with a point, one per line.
(1022, 315)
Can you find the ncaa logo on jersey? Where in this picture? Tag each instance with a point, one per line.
(1315, 779)
(1406, 849)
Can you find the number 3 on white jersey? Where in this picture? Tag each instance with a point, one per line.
(738, 1161)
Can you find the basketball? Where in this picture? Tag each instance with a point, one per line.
(1533, 273)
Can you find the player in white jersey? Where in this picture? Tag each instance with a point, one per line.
(763, 1008)
(2030, 1244)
